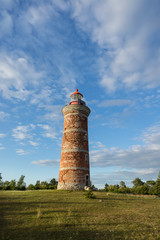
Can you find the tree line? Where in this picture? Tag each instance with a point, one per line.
(139, 187)
(21, 185)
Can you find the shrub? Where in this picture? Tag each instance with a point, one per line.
(113, 188)
(144, 189)
(124, 189)
(30, 187)
(89, 194)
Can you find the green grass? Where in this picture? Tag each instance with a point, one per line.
(60, 215)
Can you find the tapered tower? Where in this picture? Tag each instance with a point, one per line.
(74, 171)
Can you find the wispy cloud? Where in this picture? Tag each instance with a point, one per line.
(3, 115)
(152, 135)
(6, 24)
(39, 27)
(2, 135)
(22, 132)
(49, 132)
(54, 113)
(144, 156)
(21, 152)
(136, 156)
(28, 134)
(17, 73)
(115, 102)
(1, 147)
(46, 162)
(130, 60)
(35, 144)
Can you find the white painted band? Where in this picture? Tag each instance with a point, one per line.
(80, 114)
(75, 130)
(74, 168)
(74, 150)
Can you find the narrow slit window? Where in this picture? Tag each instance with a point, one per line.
(86, 157)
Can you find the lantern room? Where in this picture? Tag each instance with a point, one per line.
(76, 98)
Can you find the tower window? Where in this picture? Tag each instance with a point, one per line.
(87, 180)
(85, 137)
(86, 157)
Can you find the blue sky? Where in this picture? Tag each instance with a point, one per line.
(110, 51)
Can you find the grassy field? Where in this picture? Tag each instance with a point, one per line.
(51, 214)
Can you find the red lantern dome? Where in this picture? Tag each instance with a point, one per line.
(76, 98)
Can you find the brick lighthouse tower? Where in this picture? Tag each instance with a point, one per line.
(74, 165)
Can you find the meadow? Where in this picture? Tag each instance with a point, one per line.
(60, 215)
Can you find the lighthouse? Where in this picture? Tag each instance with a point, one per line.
(74, 173)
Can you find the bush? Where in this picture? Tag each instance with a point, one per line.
(144, 189)
(124, 189)
(89, 194)
(113, 188)
(30, 187)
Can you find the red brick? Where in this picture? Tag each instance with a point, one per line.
(74, 165)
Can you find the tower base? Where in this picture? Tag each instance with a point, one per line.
(70, 186)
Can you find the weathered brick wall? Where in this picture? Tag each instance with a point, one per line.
(74, 164)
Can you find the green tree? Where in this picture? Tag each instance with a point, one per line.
(143, 189)
(1, 182)
(44, 185)
(137, 182)
(31, 187)
(122, 184)
(113, 188)
(151, 186)
(106, 187)
(37, 185)
(53, 183)
(157, 185)
(21, 184)
(124, 190)
(150, 183)
(12, 184)
(6, 185)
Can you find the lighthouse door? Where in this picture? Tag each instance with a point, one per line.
(87, 180)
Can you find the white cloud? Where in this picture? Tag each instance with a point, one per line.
(6, 24)
(26, 133)
(3, 115)
(54, 113)
(46, 162)
(38, 16)
(35, 144)
(61, 4)
(2, 135)
(49, 132)
(17, 72)
(1, 147)
(43, 95)
(21, 152)
(152, 135)
(116, 175)
(126, 32)
(38, 26)
(136, 156)
(22, 132)
(145, 171)
(115, 102)
(144, 156)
